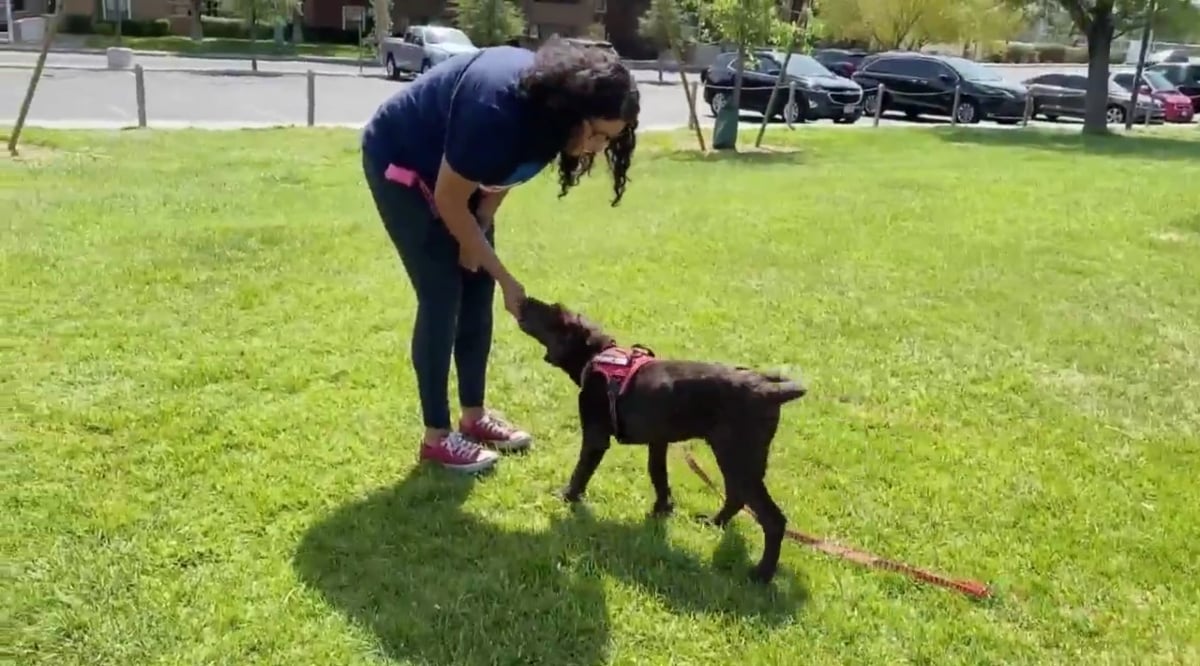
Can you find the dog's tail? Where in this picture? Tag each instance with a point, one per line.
(779, 389)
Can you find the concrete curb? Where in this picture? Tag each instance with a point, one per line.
(266, 74)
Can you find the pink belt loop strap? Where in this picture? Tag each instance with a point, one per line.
(410, 178)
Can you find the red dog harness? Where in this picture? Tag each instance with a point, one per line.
(617, 366)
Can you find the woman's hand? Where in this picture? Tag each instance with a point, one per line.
(514, 296)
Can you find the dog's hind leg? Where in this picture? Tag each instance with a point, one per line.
(595, 445)
(656, 465)
(732, 473)
(773, 523)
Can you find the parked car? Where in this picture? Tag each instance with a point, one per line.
(819, 92)
(1185, 76)
(1168, 55)
(1057, 95)
(422, 47)
(843, 62)
(1177, 107)
(591, 43)
(921, 84)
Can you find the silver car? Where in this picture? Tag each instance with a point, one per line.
(422, 47)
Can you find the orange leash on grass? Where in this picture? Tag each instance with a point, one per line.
(970, 588)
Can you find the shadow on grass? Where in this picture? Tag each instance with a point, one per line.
(746, 154)
(439, 586)
(1112, 145)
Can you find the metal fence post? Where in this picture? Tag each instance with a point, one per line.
(878, 104)
(1027, 115)
(139, 83)
(695, 86)
(957, 100)
(312, 98)
(790, 104)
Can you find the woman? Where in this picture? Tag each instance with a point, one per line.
(439, 158)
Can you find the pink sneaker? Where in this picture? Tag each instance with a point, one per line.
(493, 431)
(459, 454)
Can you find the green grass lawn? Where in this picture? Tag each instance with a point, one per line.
(208, 447)
(211, 46)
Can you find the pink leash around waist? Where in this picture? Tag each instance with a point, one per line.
(410, 178)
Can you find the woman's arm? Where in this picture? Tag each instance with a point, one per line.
(451, 194)
(488, 205)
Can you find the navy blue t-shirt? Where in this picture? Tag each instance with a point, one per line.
(486, 134)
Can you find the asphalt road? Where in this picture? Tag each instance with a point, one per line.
(210, 96)
(27, 59)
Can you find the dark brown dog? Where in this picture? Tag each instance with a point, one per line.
(734, 409)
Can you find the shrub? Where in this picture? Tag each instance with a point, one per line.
(76, 24)
(224, 28)
(1051, 52)
(1018, 53)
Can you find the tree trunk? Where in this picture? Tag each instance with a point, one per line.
(197, 23)
(298, 26)
(253, 40)
(739, 74)
(1099, 43)
(120, 19)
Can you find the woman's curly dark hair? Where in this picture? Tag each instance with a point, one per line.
(569, 84)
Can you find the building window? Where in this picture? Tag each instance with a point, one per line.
(601, 6)
(18, 6)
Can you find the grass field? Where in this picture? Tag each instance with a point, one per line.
(211, 46)
(209, 456)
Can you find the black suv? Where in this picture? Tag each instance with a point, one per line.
(1185, 76)
(819, 92)
(919, 84)
(842, 62)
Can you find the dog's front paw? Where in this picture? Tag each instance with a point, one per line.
(761, 575)
(663, 509)
(568, 495)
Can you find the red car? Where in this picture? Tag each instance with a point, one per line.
(1177, 107)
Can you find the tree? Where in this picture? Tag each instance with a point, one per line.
(665, 24)
(1101, 21)
(268, 11)
(490, 22)
(749, 23)
(887, 24)
(973, 22)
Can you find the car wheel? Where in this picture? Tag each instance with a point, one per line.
(1052, 117)
(390, 67)
(1115, 115)
(791, 112)
(871, 102)
(718, 102)
(967, 112)
(425, 66)
(912, 115)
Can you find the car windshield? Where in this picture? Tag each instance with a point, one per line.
(448, 36)
(1157, 81)
(973, 71)
(801, 65)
